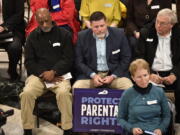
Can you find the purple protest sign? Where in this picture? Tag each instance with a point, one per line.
(95, 110)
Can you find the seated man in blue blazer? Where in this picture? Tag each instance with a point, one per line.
(102, 56)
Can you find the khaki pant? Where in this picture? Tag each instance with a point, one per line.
(34, 88)
(118, 83)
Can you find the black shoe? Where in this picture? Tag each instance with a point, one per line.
(15, 79)
(68, 132)
(177, 118)
(27, 131)
(14, 76)
(2, 131)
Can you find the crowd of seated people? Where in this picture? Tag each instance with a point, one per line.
(101, 53)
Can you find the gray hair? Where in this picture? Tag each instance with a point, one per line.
(168, 13)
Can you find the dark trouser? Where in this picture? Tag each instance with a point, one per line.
(177, 100)
(133, 45)
(176, 87)
(14, 50)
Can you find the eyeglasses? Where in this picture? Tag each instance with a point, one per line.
(162, 23)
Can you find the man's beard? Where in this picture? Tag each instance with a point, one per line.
(101, 36)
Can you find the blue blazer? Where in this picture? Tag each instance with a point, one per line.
(118, 53)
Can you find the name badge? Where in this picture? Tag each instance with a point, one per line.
(56, 6)
(56, 44)
(108, 5)
(149, 39)
(155, 7)
(115, 52)
(152, 102)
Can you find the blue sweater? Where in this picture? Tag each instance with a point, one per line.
(148, 111)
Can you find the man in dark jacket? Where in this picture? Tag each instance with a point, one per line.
(12, 20)
(160, 46)
(48, 56)
(102, 56)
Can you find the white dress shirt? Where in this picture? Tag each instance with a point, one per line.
(162, 60)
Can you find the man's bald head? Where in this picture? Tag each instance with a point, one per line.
(42, 12)
(44, 20)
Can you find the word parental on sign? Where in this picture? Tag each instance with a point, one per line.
(96, 110)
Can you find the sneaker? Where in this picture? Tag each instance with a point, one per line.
(27, 131)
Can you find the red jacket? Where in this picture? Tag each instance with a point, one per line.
(67, 15)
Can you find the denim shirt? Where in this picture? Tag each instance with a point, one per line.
(101, 53)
